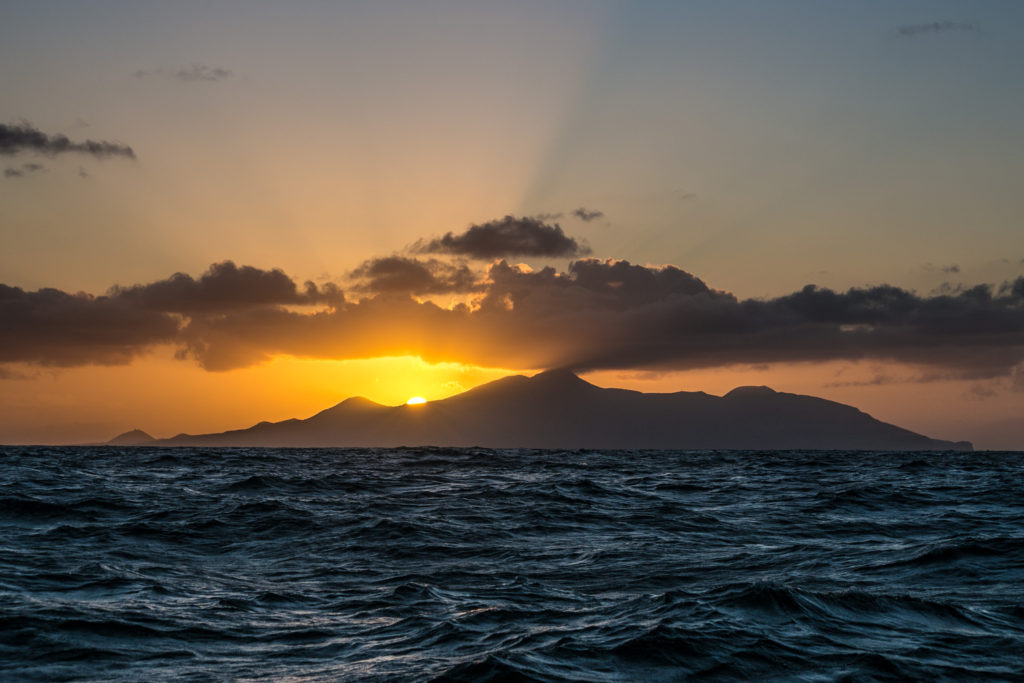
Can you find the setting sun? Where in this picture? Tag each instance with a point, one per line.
(415, 401)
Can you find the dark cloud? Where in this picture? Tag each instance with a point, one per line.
(24, 137)
(881, 379)
(878, 379)
(548, 216)
(190, 74)
(950, 269)
(52, 327)
(617, 315)
(378, 326)
(23, 170)
(589, 286)
(224, 287)
(201, 72)
(1013, 289)
(401, 275)
(633, 284)
(509, 236)
(587, 216)
(911, 30)
(595, 315)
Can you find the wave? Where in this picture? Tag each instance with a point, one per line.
(476, 564)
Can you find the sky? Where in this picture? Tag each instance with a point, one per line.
(217, 213)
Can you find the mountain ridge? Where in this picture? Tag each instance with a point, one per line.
(133, 437)
(558, 409)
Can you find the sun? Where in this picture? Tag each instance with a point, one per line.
(415, 401)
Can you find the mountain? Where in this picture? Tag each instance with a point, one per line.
(557, 409)
(135, 437)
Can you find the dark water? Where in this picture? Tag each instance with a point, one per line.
(199, 564)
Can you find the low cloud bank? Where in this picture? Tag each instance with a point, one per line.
(597, 314)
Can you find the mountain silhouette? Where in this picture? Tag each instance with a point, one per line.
(557, 409)
(135, 437)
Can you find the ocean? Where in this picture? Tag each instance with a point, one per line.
(147, 564)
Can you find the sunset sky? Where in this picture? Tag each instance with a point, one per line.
(216, 213)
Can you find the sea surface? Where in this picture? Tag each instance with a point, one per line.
(148, 564)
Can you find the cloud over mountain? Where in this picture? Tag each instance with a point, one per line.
(595, 314)
(613, 314)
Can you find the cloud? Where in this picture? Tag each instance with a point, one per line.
(398, 274)
(509, 236)
(878, 379)
(224, 287)
(191, 74)
(589, 285)
(950, 269)
(587, 216)
(597, 314)
(911, 30)
(24, 137)
(201, 72)
(52, 327)
(1013, 289)
(617, 315)
(24, 170)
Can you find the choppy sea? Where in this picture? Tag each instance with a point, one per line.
(438, 564)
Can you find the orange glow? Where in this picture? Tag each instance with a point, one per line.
(159, 394)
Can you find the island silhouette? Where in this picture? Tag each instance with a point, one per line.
(557, 409)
